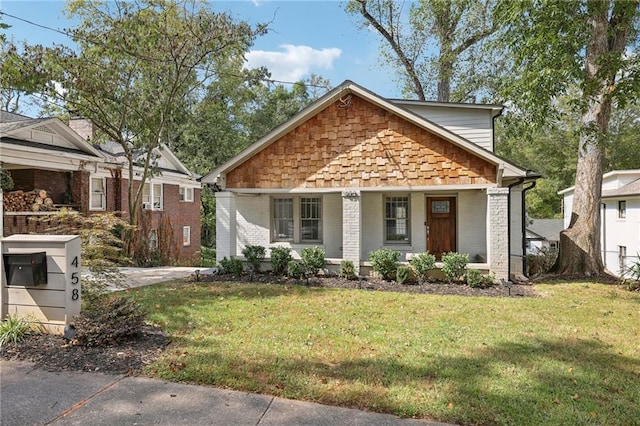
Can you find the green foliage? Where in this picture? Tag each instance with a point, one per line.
(422, 264)
(13, 330)
(294, 269)
(6, 182)
(313, 259)
(208, 216)
(109, 320)
(385, 262)
(631, 275)
(280, 258)
(254, 256)
(207, 257)
(347, 270)
(454, 265)
(102, 250)
(476, 279)
(403, 274)
(231, 266)
(541, 262)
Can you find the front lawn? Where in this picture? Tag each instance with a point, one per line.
(570, 356)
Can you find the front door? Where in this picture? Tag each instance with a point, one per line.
(441, 225)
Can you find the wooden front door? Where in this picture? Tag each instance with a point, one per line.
(441, 225)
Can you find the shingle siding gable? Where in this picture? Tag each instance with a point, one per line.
(361, 145)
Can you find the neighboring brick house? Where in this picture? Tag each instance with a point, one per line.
(47, 154)
(355, 172)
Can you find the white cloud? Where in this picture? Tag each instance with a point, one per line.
(294, 62)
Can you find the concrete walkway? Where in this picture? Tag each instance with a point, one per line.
(136, 277)
(32, 396)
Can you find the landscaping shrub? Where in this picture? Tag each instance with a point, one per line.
(403, 274)
(207, 257)
(13, 329)
(541, 262)
(254, 256)
(385, 262)
(454, 265)
(294, 269)
(231, 266)
(280, 258)
(476, 279)
(313, 260)
(422, 263)
(108, 321)
(347, 270)
(631, 275)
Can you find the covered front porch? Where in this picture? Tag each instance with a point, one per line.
(350, 223)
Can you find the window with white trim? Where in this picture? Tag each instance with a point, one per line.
(186, 235)
(97, 190)
(396, 220)
(186, 194)
(152, 196)
(296, 219)
(622, 209)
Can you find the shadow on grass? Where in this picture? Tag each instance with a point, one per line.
(530, 382)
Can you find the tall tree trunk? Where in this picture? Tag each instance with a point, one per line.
(580, 247)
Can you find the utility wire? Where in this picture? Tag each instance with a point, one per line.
(71, 36)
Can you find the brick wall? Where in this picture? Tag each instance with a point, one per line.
(359, 146)
(497, 213)
(57, 184)
(352, 227)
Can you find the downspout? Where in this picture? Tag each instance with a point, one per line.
(516, 183)
(524, 227)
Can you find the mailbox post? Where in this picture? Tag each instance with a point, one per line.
(52, 301)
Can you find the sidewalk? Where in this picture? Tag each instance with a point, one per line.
(32, 396)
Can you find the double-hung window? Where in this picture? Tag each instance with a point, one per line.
(297, 219)
(186, 235)
(186, 194)
(396, 219)
(622, 209)
(152, 196)
(97, 194)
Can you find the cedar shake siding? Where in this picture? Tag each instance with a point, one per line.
(360, 146)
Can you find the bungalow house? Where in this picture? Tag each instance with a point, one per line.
(46, 154)
(355, 172)
(620, 218)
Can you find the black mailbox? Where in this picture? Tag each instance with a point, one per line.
(26, 269)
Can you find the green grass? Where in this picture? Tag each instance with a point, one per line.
(571, 356)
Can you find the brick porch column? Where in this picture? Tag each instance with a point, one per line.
(498, 231)
(225, 225)
(352, 227)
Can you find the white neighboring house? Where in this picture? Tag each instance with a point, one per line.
(620, 227)
(543, 234)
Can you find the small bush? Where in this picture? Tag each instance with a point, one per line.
(280, 257)
(403, 274)
(13, 330)
(254, 255)
(294, 269)
(541, 262)
(207, 257)
(476, 279)
(231, 266)
(109, 321)
(347, 270)
(422, 263)
(313, 260)
(454, 265)
(385, 262)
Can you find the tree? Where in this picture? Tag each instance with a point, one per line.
(441, 46)
(137, 69)
(557, 46)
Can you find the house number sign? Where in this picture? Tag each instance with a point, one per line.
(75, 279)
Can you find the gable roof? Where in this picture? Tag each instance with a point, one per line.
(20, 128)
(341, 94)
(547, 229)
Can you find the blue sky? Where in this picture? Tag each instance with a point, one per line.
(305, 37)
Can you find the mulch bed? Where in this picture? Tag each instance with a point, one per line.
(54, 353)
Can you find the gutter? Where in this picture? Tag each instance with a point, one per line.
(524, 227)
